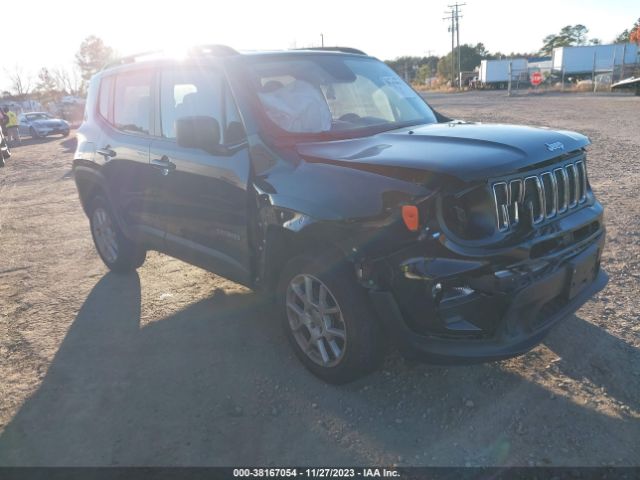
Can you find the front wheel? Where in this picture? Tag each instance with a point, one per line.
(116, 251)
(328, 320)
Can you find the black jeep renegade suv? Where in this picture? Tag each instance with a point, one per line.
(323, 178)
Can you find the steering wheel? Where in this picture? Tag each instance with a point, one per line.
(350, 117)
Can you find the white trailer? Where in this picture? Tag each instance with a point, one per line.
(496, 72)
(580, 60)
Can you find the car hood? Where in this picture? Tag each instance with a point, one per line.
(468, 151)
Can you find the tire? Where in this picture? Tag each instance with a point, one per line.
(117, 252)
(5, 152)
(353, 329)
(33, 133)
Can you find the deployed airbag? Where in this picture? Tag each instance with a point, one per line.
(297, 107)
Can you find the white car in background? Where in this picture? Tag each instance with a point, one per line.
(41, 124)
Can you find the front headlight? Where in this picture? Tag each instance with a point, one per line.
(470, 216)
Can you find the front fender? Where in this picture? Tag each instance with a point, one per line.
(328, 192)
(318, 206)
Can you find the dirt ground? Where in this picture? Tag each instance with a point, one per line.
(175, 366)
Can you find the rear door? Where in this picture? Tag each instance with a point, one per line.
(125, 111)
(205, 196)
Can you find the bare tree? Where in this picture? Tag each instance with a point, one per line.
(46, 84)
(21, 82)
(67, 80)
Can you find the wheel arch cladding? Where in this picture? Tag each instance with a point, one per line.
(280, 244)
(89, 184)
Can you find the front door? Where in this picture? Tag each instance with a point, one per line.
(205, 200)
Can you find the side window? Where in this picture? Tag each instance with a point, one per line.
(104, 100)
(132, 104)
(187, 93)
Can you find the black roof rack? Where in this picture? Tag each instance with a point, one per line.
(214, 49)
(199, 50)
(335, 49)
(129, 58)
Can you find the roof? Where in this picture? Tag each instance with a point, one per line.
(218, 51)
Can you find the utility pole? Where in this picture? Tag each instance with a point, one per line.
(455, 28)
(322, 40)
(458, 42)
(452, 30)
(456, 11)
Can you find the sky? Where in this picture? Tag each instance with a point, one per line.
(45, 33)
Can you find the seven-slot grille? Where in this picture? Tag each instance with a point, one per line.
(542, 196)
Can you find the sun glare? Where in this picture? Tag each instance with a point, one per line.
(177, 52)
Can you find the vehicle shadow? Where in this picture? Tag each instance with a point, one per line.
(69, 144)
(28, 141)
(606, 362)
(216, 384)
(183, 390)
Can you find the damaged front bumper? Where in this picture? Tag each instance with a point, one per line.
(466, 310)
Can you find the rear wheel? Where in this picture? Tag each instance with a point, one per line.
(117, 252)
(328, 320)
(33, 133)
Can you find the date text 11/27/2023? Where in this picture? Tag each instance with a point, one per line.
(315, 472)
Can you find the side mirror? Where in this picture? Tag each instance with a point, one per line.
(199, 132)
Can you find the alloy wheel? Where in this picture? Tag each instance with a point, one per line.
(104, 234)
(316, 320)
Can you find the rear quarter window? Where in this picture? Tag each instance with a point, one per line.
(104, 99)
(132, 102)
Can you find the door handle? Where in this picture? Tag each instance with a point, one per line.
(164, 164)
(106, 152)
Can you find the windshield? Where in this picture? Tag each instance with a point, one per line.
(331, 93)
(37, 116)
